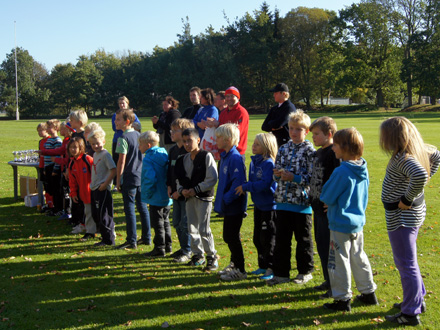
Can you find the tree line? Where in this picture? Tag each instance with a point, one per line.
(382, 52)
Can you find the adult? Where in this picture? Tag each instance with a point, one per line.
(123, 103)
(194, 96)
(278, 118)
(220, 101)
(234, 114)
(208, 110)
(163, 123)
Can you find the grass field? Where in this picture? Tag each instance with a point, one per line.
(51, 280)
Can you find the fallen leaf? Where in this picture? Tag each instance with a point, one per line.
(165, 325)
(246, 324)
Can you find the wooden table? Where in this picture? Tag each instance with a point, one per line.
(40, 184)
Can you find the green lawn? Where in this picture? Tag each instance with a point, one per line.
(51, 280)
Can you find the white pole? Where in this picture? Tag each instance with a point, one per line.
(17, 114)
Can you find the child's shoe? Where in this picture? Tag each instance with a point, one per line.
(399, 306)
(258, 271)
(86, 237)
(176, 254)
(302, 278)
(339, 305)
(268, 275)
(182, 258)
(127, 245)
(277, 280)
(168, 249)
(326, 295)
(324, 286)
(227, 269)
(196, 261)
(234, 275)
(403, 319)
(65, 216)
(155, 253)
(368, 298)
(78, 229)
(211, 264)
(143, 242)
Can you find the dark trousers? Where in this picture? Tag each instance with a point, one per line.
(65, 190)
(231, 236)
(264, 236)
(289, 224)
(102, 213)
(77, 212)
(53, 187)
(159, 218)
(322, 238)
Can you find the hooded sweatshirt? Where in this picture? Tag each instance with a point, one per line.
(346, 194)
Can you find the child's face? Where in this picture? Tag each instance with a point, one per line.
(63, 131)
(86, 134)
(297, 133)
(320, 139)
(190, 143)
(144, 146)
(74, 150)
(97, 144)
(42, 132)
(257, 148)
(120, 123)
(52, 131)
(76, 124)
(339, 153)
(176, 134)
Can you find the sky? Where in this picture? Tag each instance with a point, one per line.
(59, 31)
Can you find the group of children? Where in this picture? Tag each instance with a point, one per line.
(287, 184)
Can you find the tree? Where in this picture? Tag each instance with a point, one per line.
(61, 84)
(87, 80)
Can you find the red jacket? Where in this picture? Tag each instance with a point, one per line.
(80, 177)
(61, 151)
(237, 115)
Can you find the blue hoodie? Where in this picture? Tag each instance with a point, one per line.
(231, 174)
(346, 194)
(261, 184)
(154, 177)
(207, 111)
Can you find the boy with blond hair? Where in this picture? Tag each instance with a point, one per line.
(293, 169)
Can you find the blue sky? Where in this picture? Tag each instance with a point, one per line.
(59, 31)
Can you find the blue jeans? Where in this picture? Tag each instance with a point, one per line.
(130, 196)
(180, 223)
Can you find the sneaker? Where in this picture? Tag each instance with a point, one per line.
(182, 258)
(143, 242)
(399, 306)
(227, 269)
(86, 237)
(50, 213)
(368, 298)
(44, 208)
(65, 216)
(326, 295)
(268, 275)
(102, 243)
(277, 280)
(176, 254)
(196, 261)
(211, 264)
(168, 249)
(127, 245)
(155, 253)
(302, 278)
(78, 229)
(403, 319)
(259, 271)
(324, 286)
(339, 305)
(234, 275)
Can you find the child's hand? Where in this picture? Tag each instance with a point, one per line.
(277, 171)
(192, 192)
(102, 187)
(169, 191)
(66, 176)
(403, 206)
(75, 199)
(118, 187)
(185, 193)
(286, 176)
(325, 208)
(175, 195)
(239, 190)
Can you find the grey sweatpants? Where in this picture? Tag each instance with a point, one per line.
(198, 213)
(347, 255)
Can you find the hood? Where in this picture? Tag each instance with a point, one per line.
(359, 171)
(157, 155)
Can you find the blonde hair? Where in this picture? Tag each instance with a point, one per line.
(67, 132)
(269, 144)
(229, 132)
(300, 118)
(97, 134)
(92, 127)
(325, 124)
(55, 123)
(182, 123)
(42, 126)
(399, 135)
(149, 137)
(79, 115)
(350, 141)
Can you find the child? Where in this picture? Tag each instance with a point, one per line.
(42, 133)
(87, 131)
(154, 192)
(103, 172)
(411, 165)
(137, 126)
(180, 222)
(232, 174)
(262, 187)
(52, 171)
(346, 195)
(128, 179)
(293, 168)
(79, 182)
(323, 130)
(197, 175)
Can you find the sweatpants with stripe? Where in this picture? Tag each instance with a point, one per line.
(102, 212)
(347, 256)
(198, 213)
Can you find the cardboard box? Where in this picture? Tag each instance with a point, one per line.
(31, 200)
(28, 186)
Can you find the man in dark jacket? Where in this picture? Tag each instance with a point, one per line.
(194, 96)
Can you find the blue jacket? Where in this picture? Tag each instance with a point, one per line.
(231, 174)
(154, 177)
(261, 184)
(346, 194)
(207, 111)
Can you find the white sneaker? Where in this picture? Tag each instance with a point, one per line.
(233, 275)
(302, 278)
(227, 269)
(79, 229)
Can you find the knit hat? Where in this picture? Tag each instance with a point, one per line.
(233, 90)
(70, 128)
